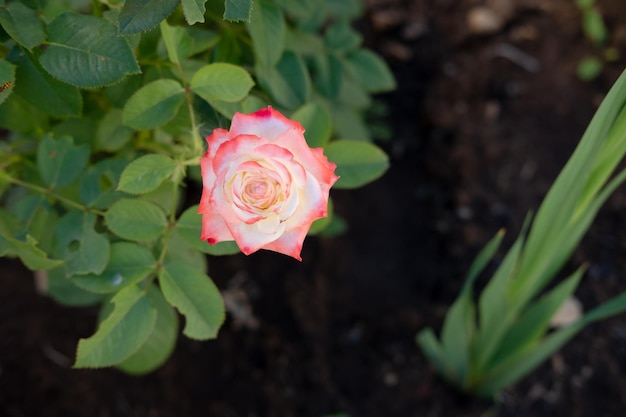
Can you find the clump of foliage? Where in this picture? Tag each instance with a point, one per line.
(103, 108)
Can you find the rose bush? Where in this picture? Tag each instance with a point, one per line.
(262, 185)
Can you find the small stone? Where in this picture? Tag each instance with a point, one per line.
(569, 312)
(482, 20)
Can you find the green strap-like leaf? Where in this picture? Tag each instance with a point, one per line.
(358, 163)
(521, 364)
(154, 104)
(122, 333)
(237, 10)
(146, 173)
(141, 15)
(59, 161)
(532, 325)
(87, 52)
(136, 220)
(196, 297)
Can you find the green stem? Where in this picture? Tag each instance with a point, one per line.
(170, 227)
(52, 194)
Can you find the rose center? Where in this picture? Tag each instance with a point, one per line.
(256, 189)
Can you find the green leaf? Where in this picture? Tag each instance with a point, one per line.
(84, 250)
(482, 259)
(189, 226)
(18, 115)
(300, 8)
(154, 104)
(370, 71)
(358, 163)
(494, 309)
(316, 122)
(248, 105)
(524, 362)
(341, 37)
(228, 49)
(531, 326)
(98, 184)
(237, 10)
(349, 123)
(7, 79)
(32, 256)
(594, 27)
(353, 95)
(288, 83)
(111, 135)
(141, 15)
(44, 92)
(202, 40)
(456, 335)
(327, 74)
(22, 24)
(161, 342)
(433, 350)
(194, 11)
(177, 42)
(81, 129)
(222, 81)
(146, 173)
(129, 263)
(196, 297)
(59, 161)
(136, 220)
(35, 217)
(121, 334)
(346, 9)
(85, 51)
(589, 68)
(62, 290)
(267, 29)
(179, 250)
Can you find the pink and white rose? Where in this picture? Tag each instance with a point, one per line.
(262, 184)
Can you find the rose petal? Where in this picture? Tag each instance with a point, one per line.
(215, 140)
(313, 205)
(289, 243)
(235, 151)
(214, 228)
(313, 159)
(250, 239)
(266, 123)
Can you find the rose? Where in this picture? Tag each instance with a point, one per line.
(262, 184)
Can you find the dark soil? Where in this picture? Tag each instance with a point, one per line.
(482, 123)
